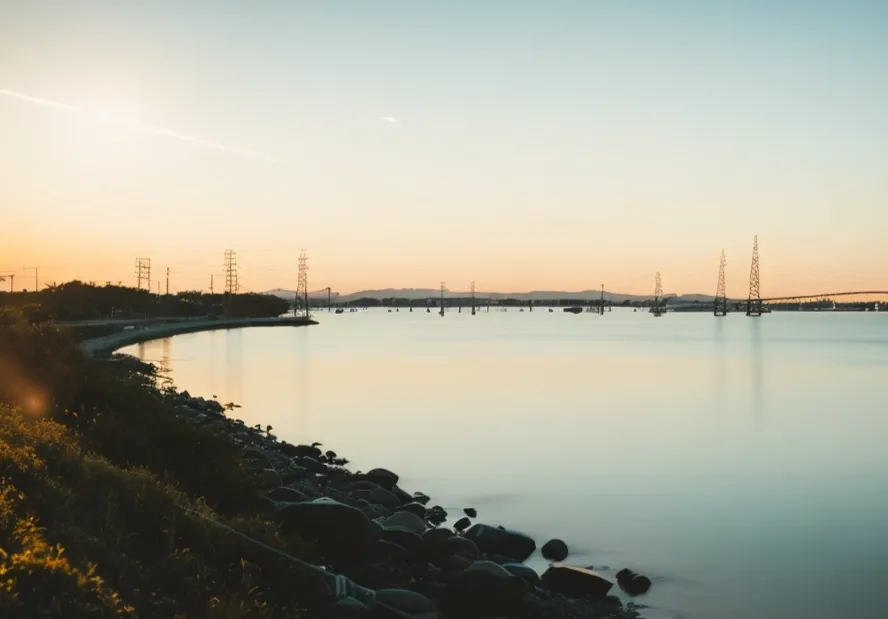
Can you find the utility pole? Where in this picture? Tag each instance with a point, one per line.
(329, 300)
(720, 305)
(143, 272)
(601, 309)
(11, 277)
(231, 285)
(472, 288)
(754, 302)
(442, 299)
(302, 283)
(211, 283)
(658, 297)
(168, 282)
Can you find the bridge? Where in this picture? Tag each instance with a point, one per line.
(754, 305)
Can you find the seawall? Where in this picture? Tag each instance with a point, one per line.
(109, 343)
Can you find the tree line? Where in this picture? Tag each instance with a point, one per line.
(78, 300)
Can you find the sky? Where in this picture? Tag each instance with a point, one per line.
(555, 145)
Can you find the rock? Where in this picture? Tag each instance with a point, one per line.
(384, 497)
(434, 544)
(374, 511)
(414, 508)
(409, 603)
(339, 529)
(436, 515)
(403, 537)
(300, 451)
(576, 582)
(470, 512)
(403, 496)
(383, 477)
(407, 520)
(285, 494)
(271, 478)
(554, 550)
(458, 545)
(484, 589)
(346, 608)
(419, 497)
(516, 546)
(462, 524)
(363, 485)
(632, 582)
(455, 564)
(390, 552)
(525, 573)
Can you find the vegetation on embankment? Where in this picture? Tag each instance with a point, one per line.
(84, 301)
(100, 491)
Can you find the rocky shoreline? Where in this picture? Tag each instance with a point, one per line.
(390, 549)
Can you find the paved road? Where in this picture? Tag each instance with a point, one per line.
(109, 343)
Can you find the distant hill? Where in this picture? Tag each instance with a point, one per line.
(534, 295)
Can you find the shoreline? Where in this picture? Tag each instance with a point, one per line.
(378, 535)
(108, 344)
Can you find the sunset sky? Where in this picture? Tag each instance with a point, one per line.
(524, 145)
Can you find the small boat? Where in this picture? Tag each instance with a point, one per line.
(339, 310)
(574, 310)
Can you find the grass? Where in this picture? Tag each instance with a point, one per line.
(107, 500)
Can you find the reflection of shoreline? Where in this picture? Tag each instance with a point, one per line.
(234, 367)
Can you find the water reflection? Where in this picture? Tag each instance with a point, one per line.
(756, 363)
(628, 437)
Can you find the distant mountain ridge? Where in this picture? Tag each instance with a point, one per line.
(533, 295)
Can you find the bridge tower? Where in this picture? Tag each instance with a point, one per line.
(754, 302)
(657, 308)
(720, 305)
(302, 283)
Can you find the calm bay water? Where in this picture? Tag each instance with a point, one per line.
(741, 463)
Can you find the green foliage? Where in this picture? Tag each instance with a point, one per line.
(108, 502)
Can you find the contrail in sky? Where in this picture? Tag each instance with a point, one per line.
(152, 129)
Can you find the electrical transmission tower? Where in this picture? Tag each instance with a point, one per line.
(657, 309)
(720, 305)
(231, 283)
(472, 288)
(143, 273)
(754, 302)
(302, 283)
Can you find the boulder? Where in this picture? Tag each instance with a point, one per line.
(403, 496)
(390, 552)
(339, 529)
(436, 515)
(384, 497)
(419, 497)
(408, 603)
(525, 573)
(300, 451)
(554, 550)
(484, 589)
(576, 582)
(414, 508)
(407, 520)
(404, 537)
(633, 583)
(470, 512)
(383, 477)
(462, 524)
(458, 545)
(513, 545)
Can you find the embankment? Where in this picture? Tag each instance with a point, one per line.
(109, 343)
